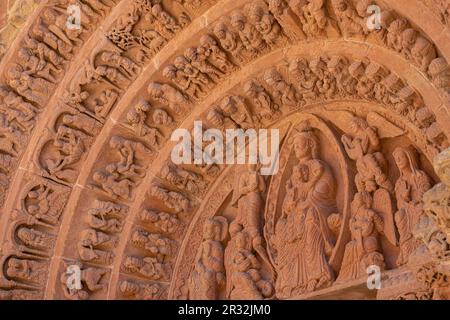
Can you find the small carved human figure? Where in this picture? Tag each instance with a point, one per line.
(208, 275)
(166, 222)
(303, 240)
(113, 187)
(243, 269)
(215, 55)
(266, 24)
(231, 42)
(409, 190)
(160, 247)
(199, 61)
(351, 24)
(252, 40)
(25, 270)
(106, 216)
(282, 90)
(172, 199)
(364, 249)
(136, 118)
(44, 203)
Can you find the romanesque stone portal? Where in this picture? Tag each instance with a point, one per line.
(93, 207)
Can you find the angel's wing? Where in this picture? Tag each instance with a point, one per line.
(385, 128)
(382, 204)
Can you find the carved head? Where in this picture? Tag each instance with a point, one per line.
(340, 5)
(99, 177)
(215, 228)
(256, 13)
(361, 200)
(398, 26)
(131, 264)
(252, 88)
(441, 164)
(409, 36)
(437, 66)
(155, 89)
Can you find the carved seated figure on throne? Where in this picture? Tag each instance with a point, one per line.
(303, 239)
(363, 146)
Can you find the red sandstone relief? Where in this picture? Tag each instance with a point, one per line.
(93, 206)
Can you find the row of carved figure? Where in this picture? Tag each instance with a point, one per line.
(297, 259)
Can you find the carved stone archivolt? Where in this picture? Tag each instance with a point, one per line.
(87, 182)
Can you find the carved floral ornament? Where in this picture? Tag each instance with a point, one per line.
(86, 174)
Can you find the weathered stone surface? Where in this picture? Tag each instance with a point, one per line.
(88, 184)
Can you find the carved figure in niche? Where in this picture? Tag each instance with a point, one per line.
(267, 109)
(395, 33)
(199, 61)
(282, 90)
(215, 55)
(44, 203)
(165, 20)
(91, 279)
(42, 33)
(25, 269)
(338, 67)
(136, 119)
(194, 76)
(409, 190)
(104, 216)
(36, 90)
(148, 267)
(351, 24)
(160, 247)
(208, 275)
(166, 222)
(88, 252)
(313, 18)
(98, 238)
(363, 146)
(235, 109)
(231, 42)
(303, 240)
(161, 117)
(172, 199)
(248, 198)
(168, 96)
(142, 291)
(250, 37)
(325, 85)
(113, 76)
(364, 249)
(437, 199)
(37, 67)
(44, 53)
(35, 239)
(244, 280)
(7, 163)
(266, 25)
